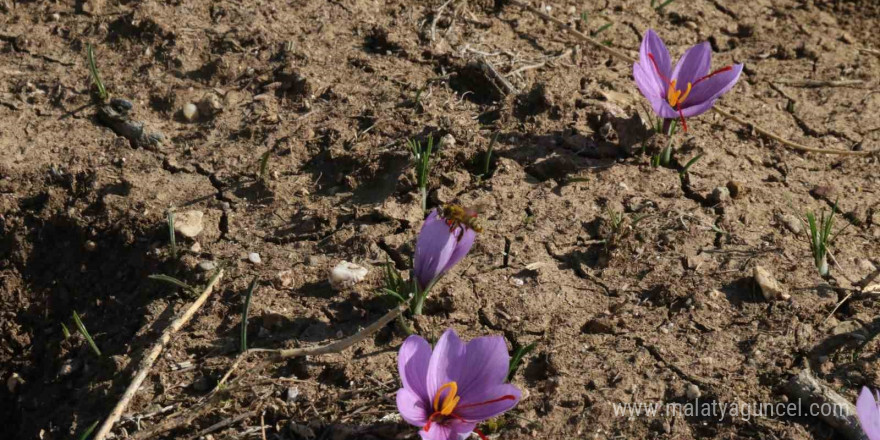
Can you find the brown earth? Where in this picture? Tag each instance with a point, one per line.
(331, 90)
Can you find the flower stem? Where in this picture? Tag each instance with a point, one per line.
(423, 190)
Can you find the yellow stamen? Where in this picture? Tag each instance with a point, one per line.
(449, 402)
(675, 96)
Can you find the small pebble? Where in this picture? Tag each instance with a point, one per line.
(254, 257)
(345, 275)
(13, 382)
(207, 266)
(792, 223)
(771, 288)
(190, 111)
(90, 246)
(693, 392)
(737, 189)
(720, 194)
(195, 248)
(292, 394)
(447, 141)
(189, 223)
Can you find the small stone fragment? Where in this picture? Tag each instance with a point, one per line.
(189, 223)
(693, 392)
(720, 194)
(90, 246)
(771, 288)
(345, 275)
(737, 189)
(195, 248)
(447, 141)
(13, 382)
(190, 111)
(792, 223)
(255, 258)
(209, 106)
(284, 279)
(207, 266)
(292, 394)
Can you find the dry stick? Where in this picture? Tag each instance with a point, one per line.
(342, 344)
(806, 387)
(620, 55)
(819, 83)
(437, 14)
(220, 425)
(152, 355)
(541, 64)
(508, 87)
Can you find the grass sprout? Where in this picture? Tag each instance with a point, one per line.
(89, 430)
(264, 165)
(171, 280)
(820, 237)
(516, 358)
(661, 5)
(85, 333)
(422, 155)
(65, 331)
(244, 312)
(172, 239)
(395, 286)
(96, 77)
(684, 171)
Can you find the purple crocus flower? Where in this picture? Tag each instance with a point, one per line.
(441, 244)
(448, 391)
(689, 89)
(868, 410)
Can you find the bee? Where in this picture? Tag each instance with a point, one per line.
(460, 217)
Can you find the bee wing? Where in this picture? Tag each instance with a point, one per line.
(476, 210)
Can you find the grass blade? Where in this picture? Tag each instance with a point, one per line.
(516, 359)
(88, 431)
(172, 238)
(244, 313)
(602, 28)
(264, 165)
(85, 333)
(96, 77)
(171, 280)
(663, 5)
(488, 158)
(65, 331)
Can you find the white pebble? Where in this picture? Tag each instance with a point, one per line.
(190, 111)
(254, 257)
(345, 275)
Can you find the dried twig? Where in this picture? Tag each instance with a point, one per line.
(564, 54)
(806, 387)
(152, 355)
(819, 83)
(437, 14)
(342, 344)
(222, 424)
(621, 56)
(870, 51)
(508, 87)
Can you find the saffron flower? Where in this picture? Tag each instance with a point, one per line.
(441, 244)
(689, 89)
(868, 410)
(449, 391)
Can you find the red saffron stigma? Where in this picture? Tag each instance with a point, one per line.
(507, 397)
(657, 68)
(721, 70)
(684, 124)
(482, 437)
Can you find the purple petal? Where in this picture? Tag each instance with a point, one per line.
(447, 362)
(434, 246)
(869, 414)
(656, 97)
(451, 430)
(412, 364)
(708, 90)
(462, 247)
(486, 362)
(654, 45)
(694, 64)
(412, 407)
(482, 411)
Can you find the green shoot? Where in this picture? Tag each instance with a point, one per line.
(171, 237)
(171, 280)
(516, 358)
(244, 313)
(89, 430)
(660, 7)
(84, 332)
(395, 286)
(585, 17)
(487, 157)
(820, 237)
(93, 69)
(423, 166)
(65, 331)
(687, 166)
(264, 165)
(601, 28)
